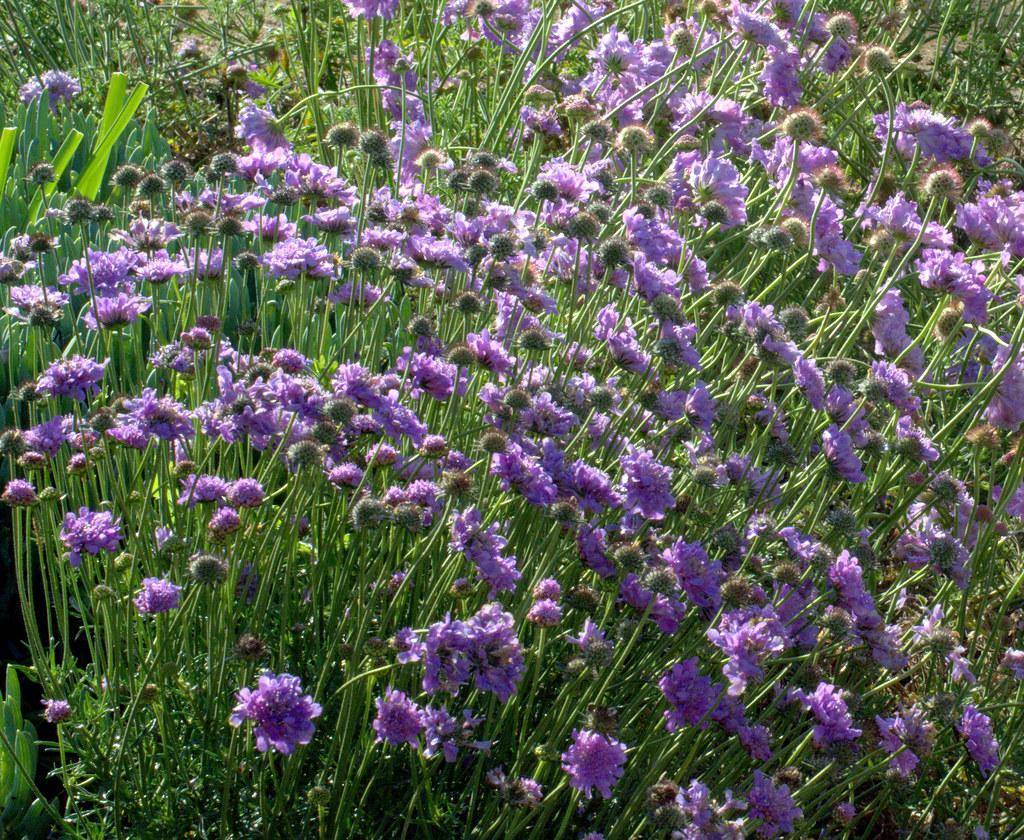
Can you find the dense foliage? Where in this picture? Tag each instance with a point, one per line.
(553, 420)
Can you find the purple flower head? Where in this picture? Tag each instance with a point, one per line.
(646, 484)
(292, 258)
(772, 805)
(838, 448)
(117, 310)
(835, 725)
(936, 136)
(908, 737)
(56, 711)
(371, 8)
(594, 761)
(160, 417)
(976, 730)
(246, 492)
(548, 588)
(698, 182)
(691, 695)
(747, 637)
(444, 733)
(19, 493)
(56, 84)
(224, 522)
(158, 595)
(258, 128)
(200, 489)
(399, 720)
(1006, 409)
(282, 715)
(485, 647)
(76, 377)
(91, 532)
(1013, 661)
(545, 613)
(485, 548)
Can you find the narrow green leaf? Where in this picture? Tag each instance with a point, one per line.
(13, 695)
(7, 138)
(91, 179)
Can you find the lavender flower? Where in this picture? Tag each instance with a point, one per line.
(56, 711)
(282, 715)
(158, 595)
(594, 761)
(772, 805)
(76, 377)
(976, 730)
(399, 720)
(91, 532)
(56, 84)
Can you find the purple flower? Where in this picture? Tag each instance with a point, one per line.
(1006, 409)
(976, 730)
(485, 647)
(895, 385)
(1013, 661)
(907, 737)
(158, 595)
(445, 734)
(297, 257)
(245, 492)
(56, 84)
(523, 472)
(224, 522)
(936, 136)
(698, 181)
(691, 695)
(846, 576)
(399, 720)
(103, 272)
(19, 493)
(76, 377)
(838, 449)
(485, 548)
(91, 532)
(747, 637)
(282, 714)
(772, 805)
(56, 711)
(646, 484)
(594, 761)
(199, 489)
(996, 221)
(700, 577)
(116, 310)
(259, 129)
(159, 417)
(835, 725)
(371, 8)
(545, 613)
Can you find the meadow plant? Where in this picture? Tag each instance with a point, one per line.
(608, 427)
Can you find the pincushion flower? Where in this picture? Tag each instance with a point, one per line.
(158, 595)
(90, 532)
(56, 85)
(594, 761)
(399, 720)
(281, 714)
(76, 377)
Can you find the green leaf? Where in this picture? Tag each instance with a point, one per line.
(7, 138)
(117, 113)
(13, 694)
